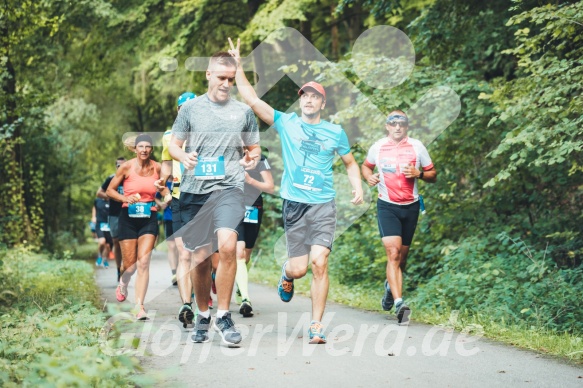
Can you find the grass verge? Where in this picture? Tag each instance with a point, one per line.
(50, 327)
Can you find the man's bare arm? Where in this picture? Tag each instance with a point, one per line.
(262, 109)
(189, 160)
(354, 177)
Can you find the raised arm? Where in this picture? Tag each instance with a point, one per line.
(262, 109)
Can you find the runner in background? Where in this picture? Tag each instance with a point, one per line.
(92, 223)
(114, 211)
(102, 231)
(168, 233)
(257, 181)
(172, 172)
(401, 162)
(137, 222)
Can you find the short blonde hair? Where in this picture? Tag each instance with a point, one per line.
(222, 58)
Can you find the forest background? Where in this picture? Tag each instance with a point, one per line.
(502, 238)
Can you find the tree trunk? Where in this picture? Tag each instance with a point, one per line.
(334, 37)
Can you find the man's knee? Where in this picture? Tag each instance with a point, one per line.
(297, 268)
(393, 252)
(319, 268)
(184, 256)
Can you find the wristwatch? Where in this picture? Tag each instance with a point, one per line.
(421, 174)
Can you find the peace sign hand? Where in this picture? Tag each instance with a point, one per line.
(235, 53)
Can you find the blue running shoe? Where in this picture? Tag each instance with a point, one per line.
(316, 333)
(98, 262)
(285, 288)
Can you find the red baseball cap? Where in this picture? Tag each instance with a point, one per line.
(314, 85)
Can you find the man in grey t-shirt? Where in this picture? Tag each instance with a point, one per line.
(215, 130)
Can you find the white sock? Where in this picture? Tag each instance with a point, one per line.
(204, 314)
(398, 300)
(221, 313)
(283, 272)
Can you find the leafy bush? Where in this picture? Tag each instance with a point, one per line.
(50, 326)
(502, 278)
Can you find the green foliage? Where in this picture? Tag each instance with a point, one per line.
(542, 109)
(504, 279)
(50, 326)
(75, 76)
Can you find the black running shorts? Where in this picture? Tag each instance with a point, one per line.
(103, 233)
(132, 228)
(308, 224)
(249, 232)
(169, 230)
(397, 220)
(113, 226)
(176, 220)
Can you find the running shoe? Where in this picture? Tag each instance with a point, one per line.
(105, 264)
(121, 292)
(141, 315)
(403, 312)
(387, 301)
(98, 262)
(246, 310)
(226, 328)
(213, 284)
(201, 330)
(210, 302)
(316, 333)
(174, 280)
(285, 288)
(185, 315)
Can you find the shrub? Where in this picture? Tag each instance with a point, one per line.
(502, 278)
(49, 325)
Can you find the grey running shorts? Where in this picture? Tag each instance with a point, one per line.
(203, 214)
(308, 224)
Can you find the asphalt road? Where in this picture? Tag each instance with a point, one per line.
(364, 349)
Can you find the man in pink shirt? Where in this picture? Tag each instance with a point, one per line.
(400, 161)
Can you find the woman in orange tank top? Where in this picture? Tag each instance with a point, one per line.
(138, 226)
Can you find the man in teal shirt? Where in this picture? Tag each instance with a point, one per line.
(309, 145)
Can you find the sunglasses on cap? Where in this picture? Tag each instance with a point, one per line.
(394, 123)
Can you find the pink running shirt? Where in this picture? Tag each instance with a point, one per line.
(390, 157)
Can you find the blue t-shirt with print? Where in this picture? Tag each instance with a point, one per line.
(308, 152)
